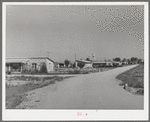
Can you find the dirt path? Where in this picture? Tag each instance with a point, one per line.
(93, 91)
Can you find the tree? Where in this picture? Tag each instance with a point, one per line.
(105, 60)
(117, 59)
(124, 60)
(67, 62)
(129, 61)
(134, 59)
(139, 60)
(81, 65)
(88, 59)
(73, 65)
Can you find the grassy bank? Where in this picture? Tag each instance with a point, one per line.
(15, 94)
(134, 78)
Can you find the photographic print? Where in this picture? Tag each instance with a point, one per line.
(86, 58)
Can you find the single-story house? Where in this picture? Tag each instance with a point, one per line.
(61, 65)
(86, 63)
(124, 62)
(98, 64)
(117, 63)
(33, 64)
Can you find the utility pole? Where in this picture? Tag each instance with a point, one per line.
(75, 61)
(48, 54)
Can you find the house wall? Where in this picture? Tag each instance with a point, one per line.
(85, 64)
(88, 65)
(27, 66)
(49, 65)
(124, 62)
(39, 63)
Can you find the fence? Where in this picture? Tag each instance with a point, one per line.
(80, 71)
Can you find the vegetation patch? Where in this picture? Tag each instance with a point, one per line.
(14, 94)
(134, 78)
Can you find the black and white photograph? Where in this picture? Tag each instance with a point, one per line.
(83, 60)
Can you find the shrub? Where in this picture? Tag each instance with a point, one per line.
(75, 72)
(140, 92)
(67, 62)
(139, 85)
(81, 65)
(115, 64)
(85, 72)
(73, 65)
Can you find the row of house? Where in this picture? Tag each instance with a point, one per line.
(36, 64)
(97, 64)
(93, 63)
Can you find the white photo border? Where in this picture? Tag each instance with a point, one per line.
(41, 114)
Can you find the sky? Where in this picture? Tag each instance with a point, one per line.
(63, 31)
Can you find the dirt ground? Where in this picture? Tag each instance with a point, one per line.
(17, 86)
(93, 91)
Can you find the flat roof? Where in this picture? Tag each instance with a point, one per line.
(84, 61)
(23, 59)
(102, 62)
(16, 60)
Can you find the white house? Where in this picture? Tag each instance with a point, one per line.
(29, 64)
(86, 63)
(117, 63)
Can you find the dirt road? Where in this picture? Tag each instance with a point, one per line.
(91, 91)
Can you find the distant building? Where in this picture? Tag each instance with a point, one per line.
(18, 65)
(117, 63)
(56, 65)
(98, 64)
(86, 63)
(124, 62)
(61, 65)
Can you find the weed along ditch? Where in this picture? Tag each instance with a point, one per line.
(17, 86)
(133, 80)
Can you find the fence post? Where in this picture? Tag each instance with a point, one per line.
(126, 86)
